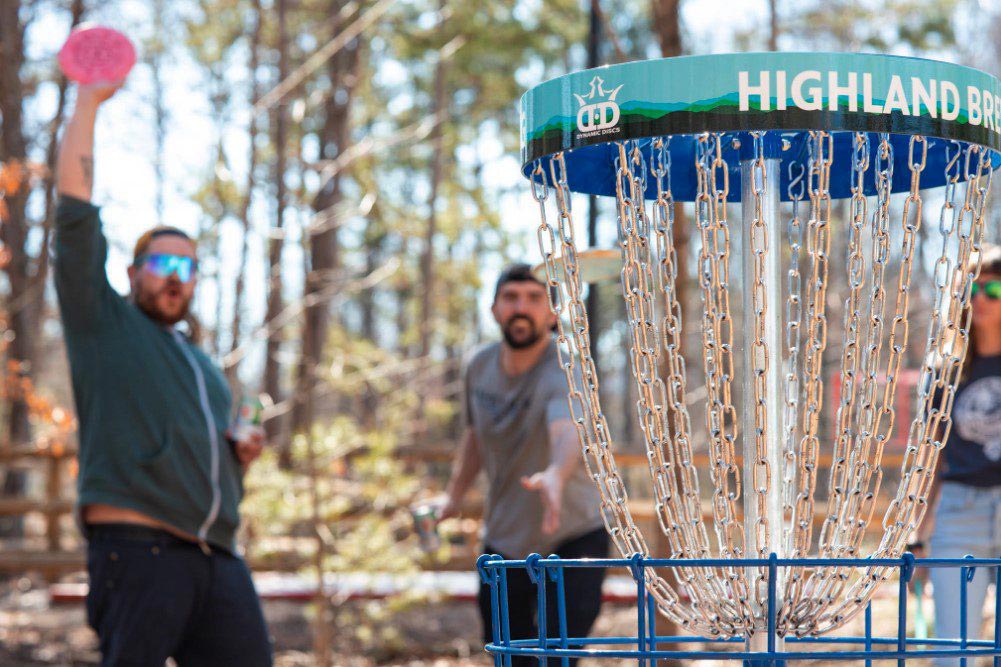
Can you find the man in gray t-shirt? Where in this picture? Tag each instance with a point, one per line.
(520, 433)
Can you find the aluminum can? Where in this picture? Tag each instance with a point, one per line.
(426, 527)
(249, 417)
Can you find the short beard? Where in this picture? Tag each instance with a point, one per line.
(516, 344)
(147, 304)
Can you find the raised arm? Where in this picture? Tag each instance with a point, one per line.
(75, 166)
(80, 246)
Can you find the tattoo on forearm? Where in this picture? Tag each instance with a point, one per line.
(87, 164)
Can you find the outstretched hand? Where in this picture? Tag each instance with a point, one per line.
(448, 507)
(549, 484)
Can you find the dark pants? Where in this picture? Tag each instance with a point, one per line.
(583, 596)
(154, 596)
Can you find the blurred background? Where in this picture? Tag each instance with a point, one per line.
(351, 171)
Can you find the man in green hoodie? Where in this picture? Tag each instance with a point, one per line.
(160, 479)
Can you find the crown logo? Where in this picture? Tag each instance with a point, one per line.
(597, 91)
(597, 108)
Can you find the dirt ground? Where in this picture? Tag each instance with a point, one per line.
(36, 633)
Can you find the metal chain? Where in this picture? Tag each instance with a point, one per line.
(946, 348)
(793, 316)
(825, 585)
(865, 436)
(792, 533)
(667, 275)
(756, 252)
(800, 602)
(850, 360)
(636, 290)
(877, 430)
(713, 183)
(859, 468)
(587, 421)
(592, 428)
(666, 258)
(680, 519)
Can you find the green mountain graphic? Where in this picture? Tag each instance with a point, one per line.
(643, 111)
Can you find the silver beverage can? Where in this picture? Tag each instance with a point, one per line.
(249, 417)
(426, 527)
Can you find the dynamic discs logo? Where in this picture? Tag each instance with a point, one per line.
(598, 112)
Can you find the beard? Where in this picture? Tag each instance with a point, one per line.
(523, 339)
(157, 305)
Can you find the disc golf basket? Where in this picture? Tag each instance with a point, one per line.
(763, 144)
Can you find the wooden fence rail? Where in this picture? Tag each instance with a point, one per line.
(54, 561)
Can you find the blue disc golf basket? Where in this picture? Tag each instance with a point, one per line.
(760, 129)
(646, 647)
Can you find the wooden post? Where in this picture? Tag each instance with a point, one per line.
(53, 490)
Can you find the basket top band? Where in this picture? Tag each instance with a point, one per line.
(783, 94)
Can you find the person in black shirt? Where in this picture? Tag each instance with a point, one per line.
(966, 494)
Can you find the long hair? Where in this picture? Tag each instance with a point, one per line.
(990, 262)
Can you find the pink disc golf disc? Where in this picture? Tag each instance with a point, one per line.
(95, 53)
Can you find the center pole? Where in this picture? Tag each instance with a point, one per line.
(772, 279)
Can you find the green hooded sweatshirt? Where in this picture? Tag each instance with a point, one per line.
(152, 408)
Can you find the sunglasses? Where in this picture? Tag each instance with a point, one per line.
(991, 289)
(164, 265)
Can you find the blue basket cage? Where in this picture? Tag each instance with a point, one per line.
(650, 647)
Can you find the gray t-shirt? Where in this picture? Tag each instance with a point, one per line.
(510, 417)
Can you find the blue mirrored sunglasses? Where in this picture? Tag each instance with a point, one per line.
(164, 265)
(990, 288)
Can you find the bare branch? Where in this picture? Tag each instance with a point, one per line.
(328, 51)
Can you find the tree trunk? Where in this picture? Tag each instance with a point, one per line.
(324, 249)
(478, 253)
(404, 293)
(427, 259)
(14, 230)
(373, 257)
(667, 26)
(216, 241)
(773, 25)
(77, 9)
(157, 46)
(272, 364)
(233, 367)
(13, 234)
(369, 330)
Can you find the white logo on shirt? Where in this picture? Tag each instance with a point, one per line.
(977, 415)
